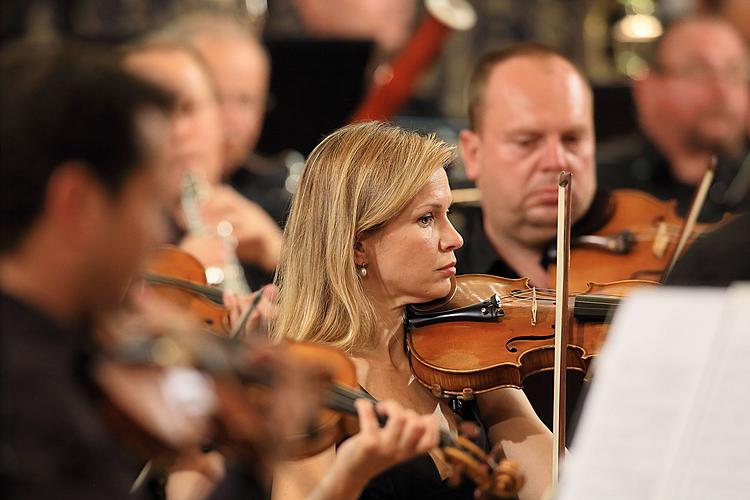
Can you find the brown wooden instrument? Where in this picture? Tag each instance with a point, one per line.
(394, 82)
(637, 242)
(180, 278)
(492, 332)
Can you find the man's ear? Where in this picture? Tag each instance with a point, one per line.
(469, 142)
(73, 199)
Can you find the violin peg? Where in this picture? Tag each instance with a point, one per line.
(436, 390)
(467, 394)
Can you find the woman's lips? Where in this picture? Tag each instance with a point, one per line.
(449, 269)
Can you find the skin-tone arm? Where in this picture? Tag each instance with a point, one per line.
(342, 474)
(512, 422)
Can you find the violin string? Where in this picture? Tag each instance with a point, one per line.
(205, 290)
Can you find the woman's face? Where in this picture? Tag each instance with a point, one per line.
(410, 259)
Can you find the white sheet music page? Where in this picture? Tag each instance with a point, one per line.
(664, 417)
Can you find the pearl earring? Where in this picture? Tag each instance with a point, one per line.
(363, 271)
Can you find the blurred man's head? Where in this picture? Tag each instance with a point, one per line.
(197, 129)
(530, 114)
(240, 69)
(695, 96)
(83, 151)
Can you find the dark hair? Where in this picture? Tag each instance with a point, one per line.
(484, 66)
(64, 104)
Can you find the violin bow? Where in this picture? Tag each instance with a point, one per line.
(561, 323)
(246, 314)
(695, 209)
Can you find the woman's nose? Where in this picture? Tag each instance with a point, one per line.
(452, 240)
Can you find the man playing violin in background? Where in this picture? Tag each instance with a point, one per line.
(691, 104)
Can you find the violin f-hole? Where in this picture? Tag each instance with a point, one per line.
(520, 338)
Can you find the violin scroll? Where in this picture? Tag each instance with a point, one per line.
(494, 476)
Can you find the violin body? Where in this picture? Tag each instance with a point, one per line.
(182, 269)
(636, 243)
(329, 426)
(463, 358)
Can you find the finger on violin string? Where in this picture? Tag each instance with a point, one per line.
(415, 428)
(368, 422)
(395, 423)
(469, 430)
(455, 476)
(431, 438)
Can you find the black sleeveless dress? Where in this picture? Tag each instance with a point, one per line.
(419, 479)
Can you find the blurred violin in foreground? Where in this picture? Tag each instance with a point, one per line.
(173, 390)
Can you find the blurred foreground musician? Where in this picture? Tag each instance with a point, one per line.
(84, 151)
(691, 104)
(85, 161)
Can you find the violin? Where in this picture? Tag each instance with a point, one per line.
(492, 332)
(174, 389)
(150, 393)
(180, 278)
(638, 241)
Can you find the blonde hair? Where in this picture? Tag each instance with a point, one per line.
(356, 180)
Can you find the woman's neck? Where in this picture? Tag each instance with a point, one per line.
(387, 350)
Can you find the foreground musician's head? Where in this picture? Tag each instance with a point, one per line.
(83, 149)
(531, 117)
(368, 233)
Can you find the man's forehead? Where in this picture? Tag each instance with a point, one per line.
(687, 42)
(523, 89)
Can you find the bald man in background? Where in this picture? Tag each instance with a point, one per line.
(530, 118)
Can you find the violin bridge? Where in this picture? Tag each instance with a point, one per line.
(661, 240)
(533, 306)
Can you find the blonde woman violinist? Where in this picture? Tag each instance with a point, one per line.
(368, 234)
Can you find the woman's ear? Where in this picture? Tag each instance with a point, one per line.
(359, 252)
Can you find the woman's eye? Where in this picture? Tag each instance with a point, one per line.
(426, 219)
